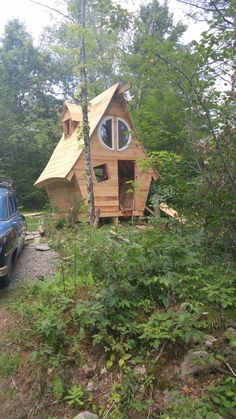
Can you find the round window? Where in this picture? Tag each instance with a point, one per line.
(106, 133)
(123, 135)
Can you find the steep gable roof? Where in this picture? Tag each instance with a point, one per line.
(68, 150)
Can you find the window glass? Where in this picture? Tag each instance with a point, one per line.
(106, 134)
(10, 207)
(2, 208)
(101, 173)
(13, 203)
(67, 128)
(123, 134)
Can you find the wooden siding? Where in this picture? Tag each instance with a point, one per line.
(63, 195)
(64, 176)
(106, 193)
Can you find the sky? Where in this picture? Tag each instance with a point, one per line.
(37, 17)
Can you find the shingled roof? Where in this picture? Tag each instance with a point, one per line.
(68, 150)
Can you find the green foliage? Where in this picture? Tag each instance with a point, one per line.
(217, 402)
(75, 396)
(58, 387)
(28, 112)
(185, 408)
(9, 364)
(135, 300)
(224, 397)
(171, 326)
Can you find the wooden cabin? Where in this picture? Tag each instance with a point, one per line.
(120, 185)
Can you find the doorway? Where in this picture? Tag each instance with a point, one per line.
(126, 187)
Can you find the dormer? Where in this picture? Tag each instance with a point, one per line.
(70, 118)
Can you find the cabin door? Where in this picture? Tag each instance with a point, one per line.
(126, 179)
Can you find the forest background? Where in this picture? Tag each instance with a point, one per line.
(182, 98)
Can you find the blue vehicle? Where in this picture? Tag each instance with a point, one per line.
(12, 232)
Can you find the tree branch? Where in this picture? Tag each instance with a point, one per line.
(189, 3)
(50, 8)
(206, 111)
(221, 14)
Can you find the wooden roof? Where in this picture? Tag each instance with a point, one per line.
(75, 111)
(68, 150)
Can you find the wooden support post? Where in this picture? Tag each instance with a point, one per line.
(149, 210)
(116, 221)
(157, 211)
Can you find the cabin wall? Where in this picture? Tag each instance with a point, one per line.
(106, 193)
(64, 196)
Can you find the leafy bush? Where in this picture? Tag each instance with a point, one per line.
(135, 299)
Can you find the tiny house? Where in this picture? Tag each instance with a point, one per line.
(120, 185)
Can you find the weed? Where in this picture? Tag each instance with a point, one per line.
(137, 300)
(75, 396)
(9, 364)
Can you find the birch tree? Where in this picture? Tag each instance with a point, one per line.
(84, 41)
(81, 20)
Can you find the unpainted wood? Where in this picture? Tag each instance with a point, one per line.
(68, 162)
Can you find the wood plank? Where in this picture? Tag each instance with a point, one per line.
(106, 203)
(107, 208)
(106, 198)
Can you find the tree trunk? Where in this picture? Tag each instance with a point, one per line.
(81, 19)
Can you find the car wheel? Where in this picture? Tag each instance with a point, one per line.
(5, 281)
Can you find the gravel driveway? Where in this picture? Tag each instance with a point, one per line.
(34, 264)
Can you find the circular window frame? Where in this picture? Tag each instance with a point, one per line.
(130, 134)
(112, 137)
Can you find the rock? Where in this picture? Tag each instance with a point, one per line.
(41, 278)
(29, 237)
(231, 323)
(89, 372)
(86, 415)
(90, 386)
(230, 333)
(195, 362)
(139, 371)
(210, 341)
(42, 247)
(169, 397)
(230, 354)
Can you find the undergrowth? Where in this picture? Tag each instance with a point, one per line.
(143, 303)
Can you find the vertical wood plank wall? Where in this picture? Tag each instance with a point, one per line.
(106, 193)
(62, 196)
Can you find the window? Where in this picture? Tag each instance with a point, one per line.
(10, 206)
(67, 128)
(101, 173)
(123, 134)
(13, 203)
(106, 133)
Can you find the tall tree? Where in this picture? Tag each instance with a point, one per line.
(157, 106)
(28, 111)
(87, 47)
(81, 20)
(209, 92)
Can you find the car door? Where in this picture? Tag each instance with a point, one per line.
(18, 223)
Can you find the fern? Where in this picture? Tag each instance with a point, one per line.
(58, 387)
